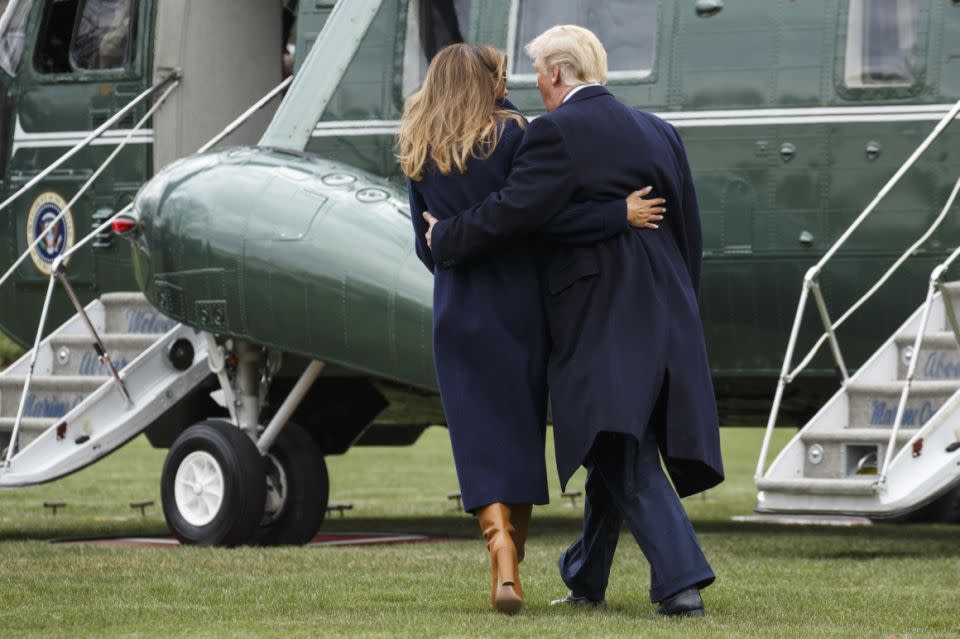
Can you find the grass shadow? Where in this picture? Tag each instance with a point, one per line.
(770, 541)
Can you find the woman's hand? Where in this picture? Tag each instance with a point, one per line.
(644, 214)
(431, 221)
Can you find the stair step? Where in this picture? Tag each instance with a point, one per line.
(951, 292)
(75, 354)
(952, 287)
(51, 396)
(132, 313)
(876, 404)
(832, 466)
(939, 356)
(124, 298)
(923, 387)
(79, 383)
(846, 452)
(116, 340)
(858, 435)
(938, 339)
(856, 486)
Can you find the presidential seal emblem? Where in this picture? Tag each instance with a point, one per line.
(57, 235)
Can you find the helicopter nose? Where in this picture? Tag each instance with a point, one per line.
(135, 223)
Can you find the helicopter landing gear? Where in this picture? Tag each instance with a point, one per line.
(212, 485)
(226, 484)
(298, 489)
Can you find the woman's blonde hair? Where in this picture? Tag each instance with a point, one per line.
(454, 116)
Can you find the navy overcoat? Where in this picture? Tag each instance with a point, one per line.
(627, 344)
(490, 335)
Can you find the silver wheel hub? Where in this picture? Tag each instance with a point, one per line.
(276, 490)
(198, 488)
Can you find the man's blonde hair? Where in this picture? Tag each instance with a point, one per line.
(575, 50)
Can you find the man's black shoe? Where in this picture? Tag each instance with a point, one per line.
(573, 600)
(686, 603)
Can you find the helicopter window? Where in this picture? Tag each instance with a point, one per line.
(103, 35)
(13, 29)
(53, 44)
(431, 25)
(882, 43)
(627, 29)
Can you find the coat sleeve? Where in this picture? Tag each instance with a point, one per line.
(692, 241)
(576, 224)
(541, 183)
(417, 207)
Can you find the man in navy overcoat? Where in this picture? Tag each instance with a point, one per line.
(628, 370)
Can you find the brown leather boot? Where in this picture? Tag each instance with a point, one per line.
(520, 518)
(498, 530)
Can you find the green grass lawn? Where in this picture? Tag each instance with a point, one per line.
(878, 581)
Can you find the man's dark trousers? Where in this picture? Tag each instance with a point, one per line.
(625, 482)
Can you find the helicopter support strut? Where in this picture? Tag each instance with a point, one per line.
(233, 483)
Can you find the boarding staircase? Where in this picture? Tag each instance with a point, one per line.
(888, 442)
(110, 371)
(834, 464)
(75, 411)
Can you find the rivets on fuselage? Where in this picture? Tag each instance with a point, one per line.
(787, 151)
(338, 179)
(369, 195)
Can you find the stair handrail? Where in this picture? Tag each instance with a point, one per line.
(59, 265)
(811, 283)
(87, 141)
(936, 280)
(89, 183)
(233, 126)
(226, 131)
(246, 115)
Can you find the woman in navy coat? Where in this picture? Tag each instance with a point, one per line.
(457, 141)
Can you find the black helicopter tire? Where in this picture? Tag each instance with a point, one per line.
(212, 486)
(307, 490)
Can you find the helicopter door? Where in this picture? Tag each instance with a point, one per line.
(83, 62)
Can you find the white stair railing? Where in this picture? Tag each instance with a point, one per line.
(811, 284)
(59, 266)
(96, 133)
(936, 281)
(89, 183)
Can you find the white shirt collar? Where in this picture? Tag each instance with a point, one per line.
(577, 88)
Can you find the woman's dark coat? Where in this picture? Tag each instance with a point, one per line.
(627, 344)
(490, 336)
